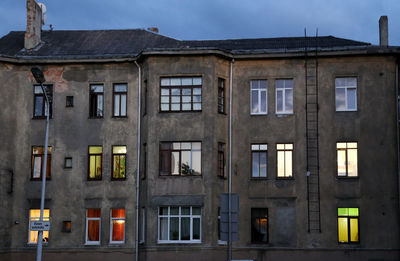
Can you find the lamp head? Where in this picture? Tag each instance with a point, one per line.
(38, 74)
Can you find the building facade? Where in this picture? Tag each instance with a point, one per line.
(312, 123)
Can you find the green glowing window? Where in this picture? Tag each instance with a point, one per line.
(348, 228)
(95, 161)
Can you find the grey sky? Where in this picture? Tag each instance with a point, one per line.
(217, 19)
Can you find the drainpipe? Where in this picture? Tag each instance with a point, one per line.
(397, 124)
(138, 162)
(230, 164)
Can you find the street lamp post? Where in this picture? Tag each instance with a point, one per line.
(39, 77)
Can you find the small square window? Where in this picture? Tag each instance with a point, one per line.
(68, 163)
(69, 101)
(66, 226)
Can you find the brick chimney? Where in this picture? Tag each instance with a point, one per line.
(33, 24)
(383, 31)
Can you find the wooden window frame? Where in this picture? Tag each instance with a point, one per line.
(221, 96)
(112, 162)
(346, 160)
(101, 158)
(181, 87)
(170, 151)
(43, 109)
(348, 217)
(251, 160)
(120, 93)
(94, 110)
(41, 155)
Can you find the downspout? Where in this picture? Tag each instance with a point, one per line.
(397, 125)
(230, 164)
(138, 162)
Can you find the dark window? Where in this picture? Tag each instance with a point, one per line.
(95, 162)
(259, 153)
(180, 158)
(221, 159)
(66, 226)
(119, 162)
(96, 101)
(69, 101)
(348, 225)
(259, 225)
(38, 160)
(120, 95)
(180, 94)
(39, 101)
(68, 163)
(221, 95)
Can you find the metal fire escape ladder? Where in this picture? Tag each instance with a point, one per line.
(312, 136)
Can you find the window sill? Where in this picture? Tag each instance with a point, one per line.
(92, 244)
(258, 178)
(95, 118)
(160, 111)
(118, 179)
(347, 178)
(180, 176)
(222, 243)
(41, 118)
(119, 117)
(177, 242)
(117, 244)
(40, 179)
(93, 179)
(258, 114)
(284, 114)
(284, 178)
(347, 110)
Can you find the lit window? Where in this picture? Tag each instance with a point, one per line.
(96, 101)
(181, 94)
(179, 225)
(259, 225)
(259, 154)
(93, 226)
(221, 159)
(34, 215)
(348, 225)
(95, 162)
(180, 158)
(259, 96)
(120, 94)
(221, 95)
(38, 160)
(39, 101)
(117, 235)
(284, 96)
(119, 162)
(346, 94)
(285, 160)
(347, 159)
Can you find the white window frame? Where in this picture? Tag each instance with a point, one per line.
(284, 90)
(30, 242)
(87, 242)
(259, 111)
(346, 88)
(111, 227)
(287, 148)
(191, 241)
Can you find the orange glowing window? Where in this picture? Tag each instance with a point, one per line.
(117, 226)
(93, 226)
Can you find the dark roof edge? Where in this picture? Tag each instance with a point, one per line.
(238, 54)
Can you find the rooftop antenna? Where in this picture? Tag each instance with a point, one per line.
(44, 15)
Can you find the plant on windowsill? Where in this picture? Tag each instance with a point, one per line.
(186, 170)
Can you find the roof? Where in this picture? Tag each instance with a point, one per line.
(101, 44)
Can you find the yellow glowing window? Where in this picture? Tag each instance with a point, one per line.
(95, 162)
(284, 160)
(119, 162)
(34, 215)
(347, 161)
(348, 225)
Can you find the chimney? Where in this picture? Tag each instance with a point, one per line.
(153, 29)
(33, 24)
(383, 31)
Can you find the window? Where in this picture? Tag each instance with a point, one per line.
(284, 96)
(39, 101)
(346, 94)
(120, 94)
(67, 226)
(119, 162)
(259, 97)
(221, 159)
(180, 158)
(179, 225)
(38, 160)
(93, 226)
(34, 215)
(259, 154)
(96, 101)
(348, 225)
(259, 225)
(181, 94)
(347, 159)
(68, 163)
(220, 242)
(69, 101)
(285, 160)
(95, 162)
(221, 95)
(117, 226)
